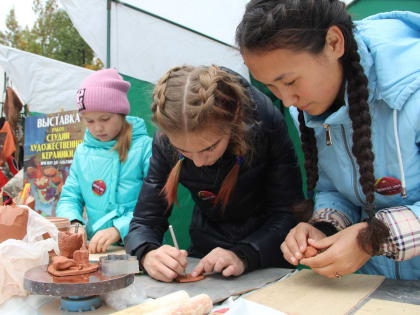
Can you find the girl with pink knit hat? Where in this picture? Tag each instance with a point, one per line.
(109, 166)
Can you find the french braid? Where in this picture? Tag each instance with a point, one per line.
(189, 99)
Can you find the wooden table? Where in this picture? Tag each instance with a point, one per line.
(407, 293)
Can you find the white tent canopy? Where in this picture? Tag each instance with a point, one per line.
(45, 84)
(216, 18)
(147, 38)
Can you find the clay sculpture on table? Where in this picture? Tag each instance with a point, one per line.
(74, 256)
(188, 278)
(13, 222)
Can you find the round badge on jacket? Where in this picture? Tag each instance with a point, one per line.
(388, 186)
(206, 195)
(99, 187)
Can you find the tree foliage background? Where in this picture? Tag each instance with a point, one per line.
(52, 35)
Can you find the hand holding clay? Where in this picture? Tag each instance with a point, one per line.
(296, 241)
(103, 239)
(220, 260)
(165, 263)
(339, 254)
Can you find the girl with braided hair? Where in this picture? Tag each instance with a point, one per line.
(354, 90)
(228, 145)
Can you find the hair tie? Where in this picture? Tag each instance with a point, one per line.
(239, 160)
(181, 156)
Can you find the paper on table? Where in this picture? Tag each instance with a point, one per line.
(307, 292)
(245, 307)
(383, 307)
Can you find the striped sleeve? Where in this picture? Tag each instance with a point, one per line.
(404, 226)
(338, 219)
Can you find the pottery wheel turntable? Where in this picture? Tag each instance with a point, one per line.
(78, 293)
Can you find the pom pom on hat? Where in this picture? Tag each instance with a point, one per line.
(104, 91)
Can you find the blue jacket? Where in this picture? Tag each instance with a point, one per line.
(389, 48)
(95, 161)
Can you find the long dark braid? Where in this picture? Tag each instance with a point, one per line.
(362, 145)
(303, 211)
(303, 25)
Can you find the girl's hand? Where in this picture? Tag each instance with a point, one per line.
(165, 263)
(295, 243)
(342, 254)
(220, 260)
(102, 239)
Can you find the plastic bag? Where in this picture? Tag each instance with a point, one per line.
(126, 297)
(15, 185)
(25, 305)
(18, 256)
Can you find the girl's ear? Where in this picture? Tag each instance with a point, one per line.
(334, 42)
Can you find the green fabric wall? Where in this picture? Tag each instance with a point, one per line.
(363, 8)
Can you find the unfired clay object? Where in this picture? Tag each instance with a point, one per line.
(74, 258)
(68, 243)
(187, 277)
(310, 252)
(13, 222)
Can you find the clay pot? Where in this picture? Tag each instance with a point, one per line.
(62, 224)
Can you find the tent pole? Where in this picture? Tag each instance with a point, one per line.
(108, 33)
(3, 95)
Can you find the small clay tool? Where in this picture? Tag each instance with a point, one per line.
(173, 237)
(76, 228)
(184, 277)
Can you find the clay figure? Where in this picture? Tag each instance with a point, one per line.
(74, 257)
(68, 243)
(188, 278)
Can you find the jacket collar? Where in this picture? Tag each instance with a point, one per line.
(339, 117)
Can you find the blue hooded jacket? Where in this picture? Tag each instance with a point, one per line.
(111, 203)
(389, 48)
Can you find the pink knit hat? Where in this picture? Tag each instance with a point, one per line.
(104, 91)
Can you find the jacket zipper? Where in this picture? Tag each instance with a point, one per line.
(356, 191)
(328, 137)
